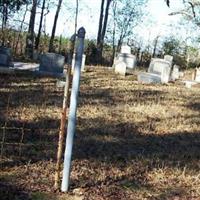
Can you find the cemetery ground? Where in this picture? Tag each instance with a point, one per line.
(133, 141)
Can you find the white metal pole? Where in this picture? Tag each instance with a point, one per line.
(72, 110)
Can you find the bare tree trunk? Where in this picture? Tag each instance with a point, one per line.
(100, 48)
(30, 36)
(155, 46)
(54, 26)
(100, 23)
(4, 22)
(101, 42)
(114, 31)
(37, 40)
(20, 31)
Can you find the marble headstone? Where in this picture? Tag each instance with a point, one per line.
(125, 49)
(197, 74)
(120, 67)
(168, 58)
(128, 59)
(162, 68)
(175, 73)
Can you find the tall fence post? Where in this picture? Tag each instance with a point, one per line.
(64, 113)
(72, 110)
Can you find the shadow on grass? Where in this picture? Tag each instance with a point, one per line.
(10, 192)
(116, 144)
(122, 142)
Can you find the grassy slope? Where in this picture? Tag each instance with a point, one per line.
(133, 141)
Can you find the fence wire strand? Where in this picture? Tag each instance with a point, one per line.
(30, 109)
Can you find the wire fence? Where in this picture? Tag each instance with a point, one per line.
(30, 109)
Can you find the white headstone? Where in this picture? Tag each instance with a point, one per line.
(83, 62)
(197, 75)
(175, 73)
(128, 59)
(120, 67)
(162, 68)
(168, 58)
(181, 74)
(125, 49)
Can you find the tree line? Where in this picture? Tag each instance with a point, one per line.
(116, 25)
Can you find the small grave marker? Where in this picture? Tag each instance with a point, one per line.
(120, 67)
(197, 75)
(175, 73)
(168, 58)
(128, 59)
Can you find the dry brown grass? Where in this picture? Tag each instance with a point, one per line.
(133, 141)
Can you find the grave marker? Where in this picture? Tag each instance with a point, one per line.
(162, 68)
(168, 58)
(120, 67)
(128, 59)
(51, 62)
(125, 49)
(158, 72)
(5, 57)
(175, 73)
(197, 75)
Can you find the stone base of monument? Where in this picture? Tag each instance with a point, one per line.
(26, 66)
(145, 77)
(189, 84)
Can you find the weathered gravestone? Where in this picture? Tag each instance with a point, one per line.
(120, 67)
(5, 57)
(82, 64)
(168, 58)
(175, 73)
(197, 75)
(125, 49)
(51, 62)
(162, 68)
(128, 59)
(159, 70)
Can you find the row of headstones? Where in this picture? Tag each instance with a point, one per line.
(160, 70)
(49, 62)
